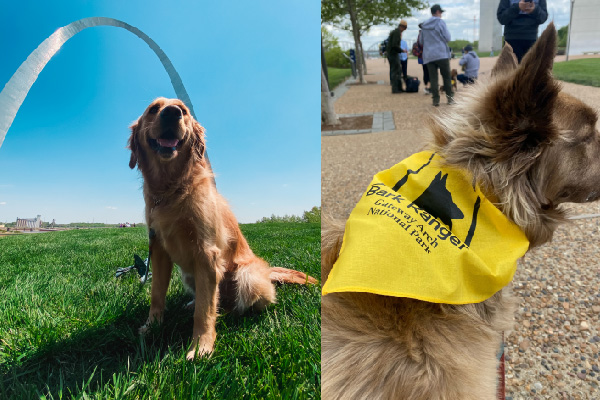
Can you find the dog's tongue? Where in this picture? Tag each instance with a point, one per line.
(168, 142)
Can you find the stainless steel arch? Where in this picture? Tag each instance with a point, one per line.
(16, 89)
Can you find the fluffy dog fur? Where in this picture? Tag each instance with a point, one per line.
(528, 146)
(194, 226)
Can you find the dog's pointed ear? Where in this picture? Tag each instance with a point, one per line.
(507, 61)
(519, 106)
(133, 144)
(198, 141)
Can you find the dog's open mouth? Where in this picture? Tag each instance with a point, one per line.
(166, 148)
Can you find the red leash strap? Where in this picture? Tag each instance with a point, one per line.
(501, 387)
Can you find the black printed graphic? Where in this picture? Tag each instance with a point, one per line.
(473, 222)
(437, 201)
(402, 181)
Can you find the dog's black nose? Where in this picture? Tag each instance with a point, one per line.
(171, 114)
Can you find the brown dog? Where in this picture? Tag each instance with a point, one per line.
(454, 80)
(528, 146)
(191, 225)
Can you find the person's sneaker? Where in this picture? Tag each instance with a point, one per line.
(436, 105)
(427, 91)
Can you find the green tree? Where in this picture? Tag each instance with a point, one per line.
(358, 16)
(562, 36)
(329, 40)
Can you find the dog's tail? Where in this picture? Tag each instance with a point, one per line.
(284, 275)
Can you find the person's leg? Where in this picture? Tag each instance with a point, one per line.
(444, 66)
(433, 79)
(395, 73)
(403, 66)
(426, 79)
(462, 78)
(520, 47)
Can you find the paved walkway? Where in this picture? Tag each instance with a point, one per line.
(553, 349)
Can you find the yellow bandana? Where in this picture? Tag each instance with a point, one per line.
(422, 231)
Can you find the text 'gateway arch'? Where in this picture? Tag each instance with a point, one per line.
(15, 91)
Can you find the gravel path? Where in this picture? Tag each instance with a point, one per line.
(553, 352)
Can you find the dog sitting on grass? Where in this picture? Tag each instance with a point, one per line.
(528, 148)
(192, 225)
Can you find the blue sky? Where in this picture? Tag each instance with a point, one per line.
(248, 68)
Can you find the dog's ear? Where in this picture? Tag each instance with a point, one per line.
(520, 105)
(198, 140)
(133, 144)
(507, 61)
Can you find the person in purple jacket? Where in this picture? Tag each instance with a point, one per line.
(521, 20)
(436, 54)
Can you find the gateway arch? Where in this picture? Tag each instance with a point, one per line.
(16, 89)
(490, 30)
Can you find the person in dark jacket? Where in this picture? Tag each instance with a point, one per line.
(393, 51)
(521, 20)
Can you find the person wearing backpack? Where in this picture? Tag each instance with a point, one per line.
(393, 55)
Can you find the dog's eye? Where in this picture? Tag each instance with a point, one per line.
(153, 109)
(184, 111)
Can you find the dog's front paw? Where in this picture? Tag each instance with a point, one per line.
(200, 351)
(201, 347)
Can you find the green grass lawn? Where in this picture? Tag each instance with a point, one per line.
(337, 76)
(69, 328)
(584, 71)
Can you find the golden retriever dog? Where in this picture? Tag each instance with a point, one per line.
(530, 147)
(191, 225)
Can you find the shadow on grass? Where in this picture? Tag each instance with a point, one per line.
(89, 359)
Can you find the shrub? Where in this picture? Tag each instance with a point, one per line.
(312, 216)
(336, 58)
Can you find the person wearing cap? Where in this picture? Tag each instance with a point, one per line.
(521, 20)
(436, 54)
(393, 51)
(470, 64)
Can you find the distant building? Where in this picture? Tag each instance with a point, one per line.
(29, 223)
(585, 30)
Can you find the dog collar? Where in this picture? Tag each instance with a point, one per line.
(421, 230)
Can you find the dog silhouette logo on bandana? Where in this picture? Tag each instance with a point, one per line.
(437, 201)
(422, 230)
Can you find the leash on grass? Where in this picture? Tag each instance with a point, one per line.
(141, 266)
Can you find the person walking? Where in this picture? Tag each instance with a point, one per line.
(393, 50)
(434, 39)
(521, 19)
(470, 64)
